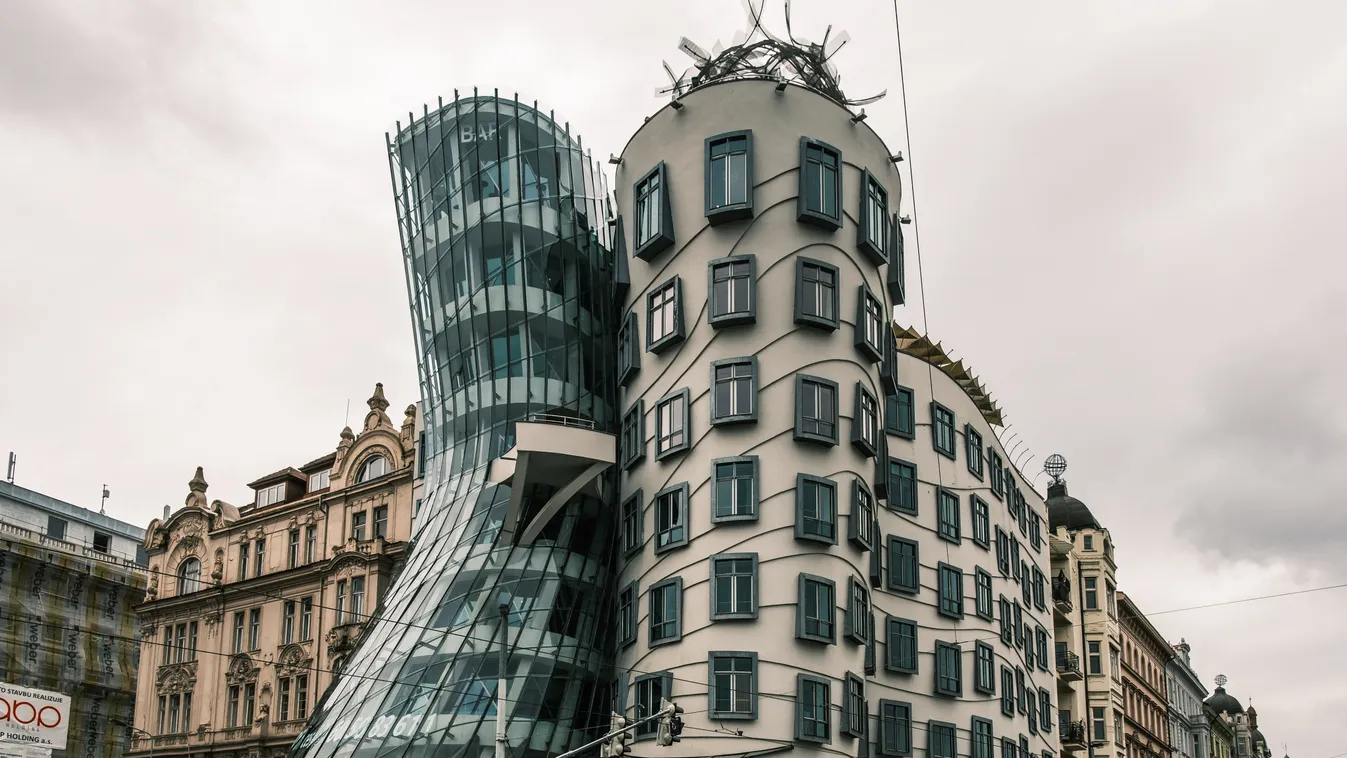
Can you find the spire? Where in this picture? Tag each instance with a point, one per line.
(377, 405)
(196, 497)
(377, 401)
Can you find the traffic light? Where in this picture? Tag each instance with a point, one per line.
(616, 746)
(670, 725)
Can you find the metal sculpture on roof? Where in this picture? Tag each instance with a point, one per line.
(759, 54)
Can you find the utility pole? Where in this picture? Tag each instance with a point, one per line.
(501, 744)
(618, 737)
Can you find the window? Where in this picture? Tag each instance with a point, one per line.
(951, 591)
(650, 690)
(357, 598)
(858, 612)
(854, 712)
(626, 615)
(902, 486)
(981, 522)
(671, 517)
(628, 349)
(948, 669)
(942, 430)
(168, 646)
(1041, 642)
(666, 605)
(870, 323)
(1007, 622)
(820, 195)
(56, 527)
(310, 543)
(1111, 596)
(1100, 731)
(984, 677)
(816, 293)
(1002, 551)
(288, 623)
(734, 586)
(734, 391)
(948, 516)
(358, 521)
(1094, 659)
(973, 449)
(904, 565)
(232, 720)
(1028, 649)
(664, 311)
(1113, 662)
(815, 509)
(633, 435)
(895, 728)
(1010, 748)
(341, 601)
(189, 576)
(732, 291)
(1089, 542)
(1038, 584)
(1036, 532)
(1019, 624)
(902, 645)
(243, 561)
(982, 738)
(872, 231)
(941, 742)
(284, 700)
(1031, 710)
(1026, 586)
(306, 619)
(259, 557)
(292, 549)
(381, 523)
(861, 524)
(865, 421)
(1007, 691)
(372, 468)
(729, 177)
(1044, 710)
(900, 414)
(734, 690)
(671, 424)
(654, 216)
(816, 611)
(271, 495)
(998, 481)
(813, 705)
(1118, 728)
(255, 629)
(1019, 689)
(238, 632)
(734, 490)
(1091, 593)
(982, 582)
(632, 518)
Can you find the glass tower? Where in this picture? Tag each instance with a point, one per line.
(510, 275)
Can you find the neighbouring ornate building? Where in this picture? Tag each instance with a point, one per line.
(250, 609)
(1146, 655)
(1190, 734)
(1227, 715)
(1069, 642)
(1093, 587)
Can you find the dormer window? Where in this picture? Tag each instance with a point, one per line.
(320, 481)
(271, 495)
(372, 469)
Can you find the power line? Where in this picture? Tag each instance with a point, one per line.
(1250, 600)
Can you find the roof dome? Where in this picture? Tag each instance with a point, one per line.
(1067, 511)
(1224, 703)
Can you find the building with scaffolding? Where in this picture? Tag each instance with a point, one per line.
(69, 580)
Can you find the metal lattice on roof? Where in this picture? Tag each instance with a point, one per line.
(759, 54)
(913, 343)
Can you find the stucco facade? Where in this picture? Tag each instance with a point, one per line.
(1146, 656)
(251, 609)
(1190, 734)
(1068, 634)
(802, 563)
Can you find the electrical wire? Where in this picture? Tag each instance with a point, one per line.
(1250, 600)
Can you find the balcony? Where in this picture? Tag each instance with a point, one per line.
(1072, 735)
(1068, 666)
(1061, 599)
(558, 451)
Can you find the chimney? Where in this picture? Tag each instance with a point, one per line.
(166, 512)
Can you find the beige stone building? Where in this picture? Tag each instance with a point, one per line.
(251, 608)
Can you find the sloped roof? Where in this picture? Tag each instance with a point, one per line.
(913, 343)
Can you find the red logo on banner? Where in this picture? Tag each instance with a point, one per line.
(22, 711)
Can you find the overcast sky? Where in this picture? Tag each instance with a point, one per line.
(1128, 217)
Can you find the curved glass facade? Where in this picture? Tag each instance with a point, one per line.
(510, 276)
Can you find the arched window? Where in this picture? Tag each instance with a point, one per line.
(372, 469)
(189, 576)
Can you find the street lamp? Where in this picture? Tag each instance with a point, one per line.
(149, 738)
(503, 601)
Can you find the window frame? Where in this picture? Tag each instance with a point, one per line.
(944, 571)
(937, 424)
(717, 655)
(714, 591)
(733, 318)
(891, 660)
(895, 503)
(998, 482)
(984, 656)
(676, 582)
(952, 730)
(869, 447)
(735, 418)
(876, 250)
(949, 515)
(861, 521)
(628, 627)
(1007, 691)
(628, 348)
(904, 426)
(801, 679)
(890, 582)
(852, 710)
(650, 729)
(981, 727)
(679, 330)
(685, 396)
(684, 493)
(801, 633)
(886, 724)
(952, 652)
(755, 506)
(721, 214)
(800, 435)
(856, 621)
(981, 513)
(979, 575)
(972, 442)
(663, 238)
(801, 480)
(1045, 710)
(635, 412)
(633, 541)
(811, 320)
(819, 217)
(865, 297)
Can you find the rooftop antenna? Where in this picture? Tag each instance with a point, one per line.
(348, 412)
(103, 504)
(13, 462)
(1055, 466)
